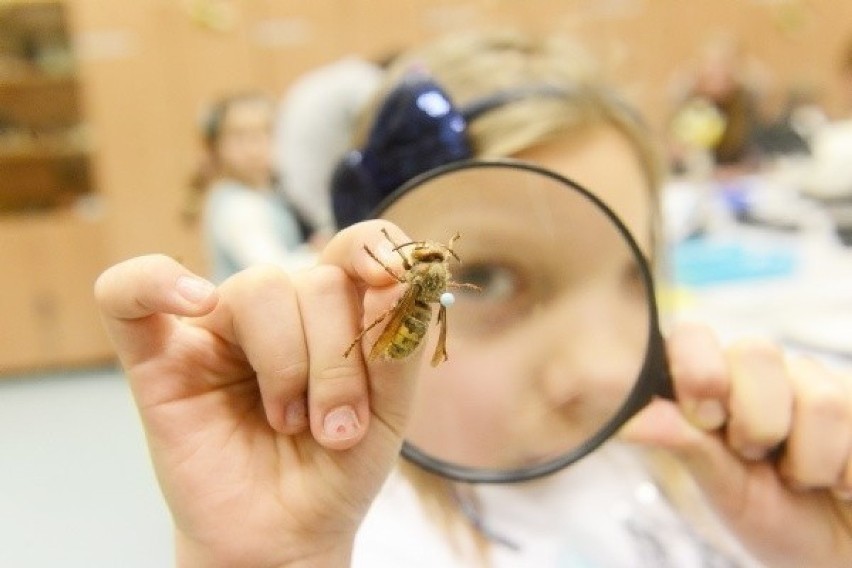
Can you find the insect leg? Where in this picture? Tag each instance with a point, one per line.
(459, 285)
(441, 349)
(405, 263)
(365, 330)
(385, 266)
(449, 246)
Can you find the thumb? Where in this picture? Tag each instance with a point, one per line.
(749, 496)
(138, 298)
(722, 475)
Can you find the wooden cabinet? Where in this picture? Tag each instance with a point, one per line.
(50, 250)
(43, 145)
(49, 319)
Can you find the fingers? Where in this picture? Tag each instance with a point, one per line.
(817, 452)
(703, 385)
(346, 250)
(720, 472)
(338, 391)
(294, 331)
(136, 296)
(761, 399)
(391, 383)
(737, 406)
(745, 389)
(259, 313)
(345, 394)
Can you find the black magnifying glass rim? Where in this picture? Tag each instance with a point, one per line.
(653, 380)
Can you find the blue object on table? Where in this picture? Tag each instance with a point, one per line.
(707, 261)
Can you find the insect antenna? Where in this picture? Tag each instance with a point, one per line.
(405, 263)
(420, 244)
(425, 244)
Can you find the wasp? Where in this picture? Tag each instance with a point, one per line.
(427, 275)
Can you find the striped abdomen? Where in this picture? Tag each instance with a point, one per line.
(410, 332)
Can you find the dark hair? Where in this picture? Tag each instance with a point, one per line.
(214, 118)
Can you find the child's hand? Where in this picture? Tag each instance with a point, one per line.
(268, 444)
(767, 439)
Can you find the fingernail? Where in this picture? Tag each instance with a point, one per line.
(753, 453)
(194, 289)
(709, 414)
(385, 252)
(341, 423)
(296, 413)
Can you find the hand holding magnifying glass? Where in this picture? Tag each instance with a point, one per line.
(561, 278)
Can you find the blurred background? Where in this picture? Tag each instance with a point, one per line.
(100, 105)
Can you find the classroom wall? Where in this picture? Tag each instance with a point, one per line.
(147, 68)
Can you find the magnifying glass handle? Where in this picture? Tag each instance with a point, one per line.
(658, 360)
(666, 388)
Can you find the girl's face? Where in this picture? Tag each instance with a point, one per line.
(244, 148)
(545, 354)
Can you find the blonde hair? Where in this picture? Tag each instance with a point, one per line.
(473, 66)
(477, 65)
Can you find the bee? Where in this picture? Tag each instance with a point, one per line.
(427, 274)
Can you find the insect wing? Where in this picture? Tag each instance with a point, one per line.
(403, 307)
(441, 349)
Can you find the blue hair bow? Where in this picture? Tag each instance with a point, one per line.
(417, 128)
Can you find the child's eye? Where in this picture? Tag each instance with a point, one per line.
(498, 283)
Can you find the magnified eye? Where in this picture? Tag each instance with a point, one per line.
(497, 283)
(502, 299)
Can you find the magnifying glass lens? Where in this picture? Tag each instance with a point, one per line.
(547, 349)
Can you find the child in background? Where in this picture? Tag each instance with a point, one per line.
(722, 95)
(270, 445)
(246, 219)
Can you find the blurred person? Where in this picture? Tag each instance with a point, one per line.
(272, 448)
(314, 127)
(247, 220)
(790, 132)
(725, 82)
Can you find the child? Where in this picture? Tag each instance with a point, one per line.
(247, 219)
(270, 446)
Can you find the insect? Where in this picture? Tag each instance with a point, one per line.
(428, 277)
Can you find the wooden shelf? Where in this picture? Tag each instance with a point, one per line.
(40, 177)
(53, 253)
(36, 80)
(41, 153)
(17, 3)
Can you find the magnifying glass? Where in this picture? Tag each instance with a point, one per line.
(554, 346)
